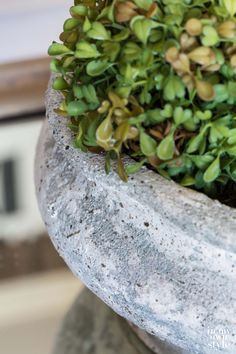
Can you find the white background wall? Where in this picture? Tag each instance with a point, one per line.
(27, 27)
(18, 142)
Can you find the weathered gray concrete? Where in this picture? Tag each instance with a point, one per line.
(91, 327)
(160, 255)
(155, 344)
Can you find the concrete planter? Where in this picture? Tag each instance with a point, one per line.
(162, 256)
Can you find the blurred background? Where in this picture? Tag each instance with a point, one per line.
(36, 288)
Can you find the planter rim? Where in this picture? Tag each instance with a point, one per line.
(221, 219)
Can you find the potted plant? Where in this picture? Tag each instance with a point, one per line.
(149, 89)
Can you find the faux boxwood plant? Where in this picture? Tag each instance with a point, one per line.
(157, 81)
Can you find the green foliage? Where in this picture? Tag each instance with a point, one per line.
(156, 80)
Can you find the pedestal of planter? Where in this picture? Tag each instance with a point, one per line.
(91, 327)
(161, 256)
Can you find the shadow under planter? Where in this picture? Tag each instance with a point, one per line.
(161, 256)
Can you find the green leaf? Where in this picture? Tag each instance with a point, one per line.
(138, 119)
(107, 12)
(108, 163)
(104, 133)
(143, 4)
(200, 183)
(155, 116)
(221, 93)
(69, 37)
(210, 36)
(85, 50)
(163, 173)
(89, 93)
(70, 24)
(98, 31)
(90, 134)
(167, 111)
(76, 108)
(68, 61)
(232, 137)
(123, 35)
(60, 84)
(169, 90)
(121, 170)
(111, 50)
(181, 116)
(173, 88)
(83, 125)
(166, 148)
(131, 51)
(147, 144)
(231, 169)
(97, 67)
(196, 142)
(231, 150)
(141, 27)
(124, 91)
(79, 10)
(55, 65)
(232, 89)
(213, 171)
(190, 125)
(187, 181)
(77, 90)
(86, 25)
(203, 115)
(230, 6)
(201, 161)
(145, 97)
(134, 168)
(122, 132)
(58, 49)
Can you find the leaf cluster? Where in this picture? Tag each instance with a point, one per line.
(156, 80)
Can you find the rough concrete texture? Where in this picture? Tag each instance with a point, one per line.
(90, 327)
(160, 255)
(155, 344)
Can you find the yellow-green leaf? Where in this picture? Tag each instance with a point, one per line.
(97, 67)
(58, 49)
(230, 6)
(98, 31)
(166, 148)
(147, 144)
(85, 50)
(121, 170)
(141, 27)
(76, 108)
(213, 171)
(104, 133)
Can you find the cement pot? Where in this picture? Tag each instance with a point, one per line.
(160, 255)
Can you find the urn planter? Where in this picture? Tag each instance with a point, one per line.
(160, 255)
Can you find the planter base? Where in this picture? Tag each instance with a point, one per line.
(91, 327)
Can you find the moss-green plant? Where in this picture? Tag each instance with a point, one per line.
(155, 80)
